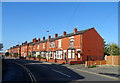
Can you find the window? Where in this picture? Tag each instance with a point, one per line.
(50, 54)
(59, 54)
(71, 54)
(43, 45)
(43, 54)
(71, 41)
(59, 43)
(52, 44)
(38, 46)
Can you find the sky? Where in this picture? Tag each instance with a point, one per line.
(23, 21)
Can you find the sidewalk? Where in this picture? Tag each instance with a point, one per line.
(113, 71)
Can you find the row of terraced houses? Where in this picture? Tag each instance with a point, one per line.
(77, 46)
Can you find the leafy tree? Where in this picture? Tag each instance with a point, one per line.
(114, 49)
(15, 54)
(106, 51)
(111, 49)
(7, 54)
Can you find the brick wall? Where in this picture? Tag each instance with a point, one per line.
(97, 62)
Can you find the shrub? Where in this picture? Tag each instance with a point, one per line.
(92, 66)
(29, 56)
(38, 56)
(16, 55)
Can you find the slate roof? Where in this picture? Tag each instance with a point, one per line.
(59, 37)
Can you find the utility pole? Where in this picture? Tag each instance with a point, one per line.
(1, 46)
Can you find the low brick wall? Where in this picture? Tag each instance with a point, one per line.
(97, 62)
(17, 58)
(112, 60)
(32, 58)
(75, 62)
(42, 59)
(61, 61)
(51, 60)
(27, 58)
(37, 59)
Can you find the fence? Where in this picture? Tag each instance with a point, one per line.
(112, 60)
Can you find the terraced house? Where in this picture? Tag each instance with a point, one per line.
(76, 46)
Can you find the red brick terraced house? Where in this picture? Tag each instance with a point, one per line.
(77, 46)
(24, 49)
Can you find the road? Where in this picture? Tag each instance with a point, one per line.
(48, 72)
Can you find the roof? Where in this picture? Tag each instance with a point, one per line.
(71, 34)
(59, 37)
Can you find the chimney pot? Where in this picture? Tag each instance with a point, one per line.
(43, 38)
(75, 30)
(56, 35)
(49, 37)
(64, 33)
(38, 39)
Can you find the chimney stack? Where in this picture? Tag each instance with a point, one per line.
(56, 35)
(49, 37)
(75, 30)
(64, 33)
(38, 39)
(43, 38)
(25, 42)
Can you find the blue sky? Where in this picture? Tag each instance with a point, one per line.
(23, 21)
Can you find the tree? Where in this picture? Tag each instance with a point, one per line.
(7, 54)
(114, 49)
(106, 51)
(111, 49)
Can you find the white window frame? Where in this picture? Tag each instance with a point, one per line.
(38, 46)
(59, 43)
(43, 45)
(71, 54)
(52, 44)
(71, 41)
(59, 54)
(43, 54)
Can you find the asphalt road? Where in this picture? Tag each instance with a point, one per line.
(49, 72)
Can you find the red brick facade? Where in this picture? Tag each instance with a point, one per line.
(76, 46)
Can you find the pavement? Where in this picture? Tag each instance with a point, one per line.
(46, 71)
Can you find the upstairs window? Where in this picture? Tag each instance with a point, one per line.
(52, 44)
(38, 46)
(71, 41)
(59, 43)
(43, 45)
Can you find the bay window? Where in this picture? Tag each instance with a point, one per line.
(71, 54)
(59, 54)
(43, 54)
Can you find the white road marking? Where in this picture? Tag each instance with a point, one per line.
(61, 73)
